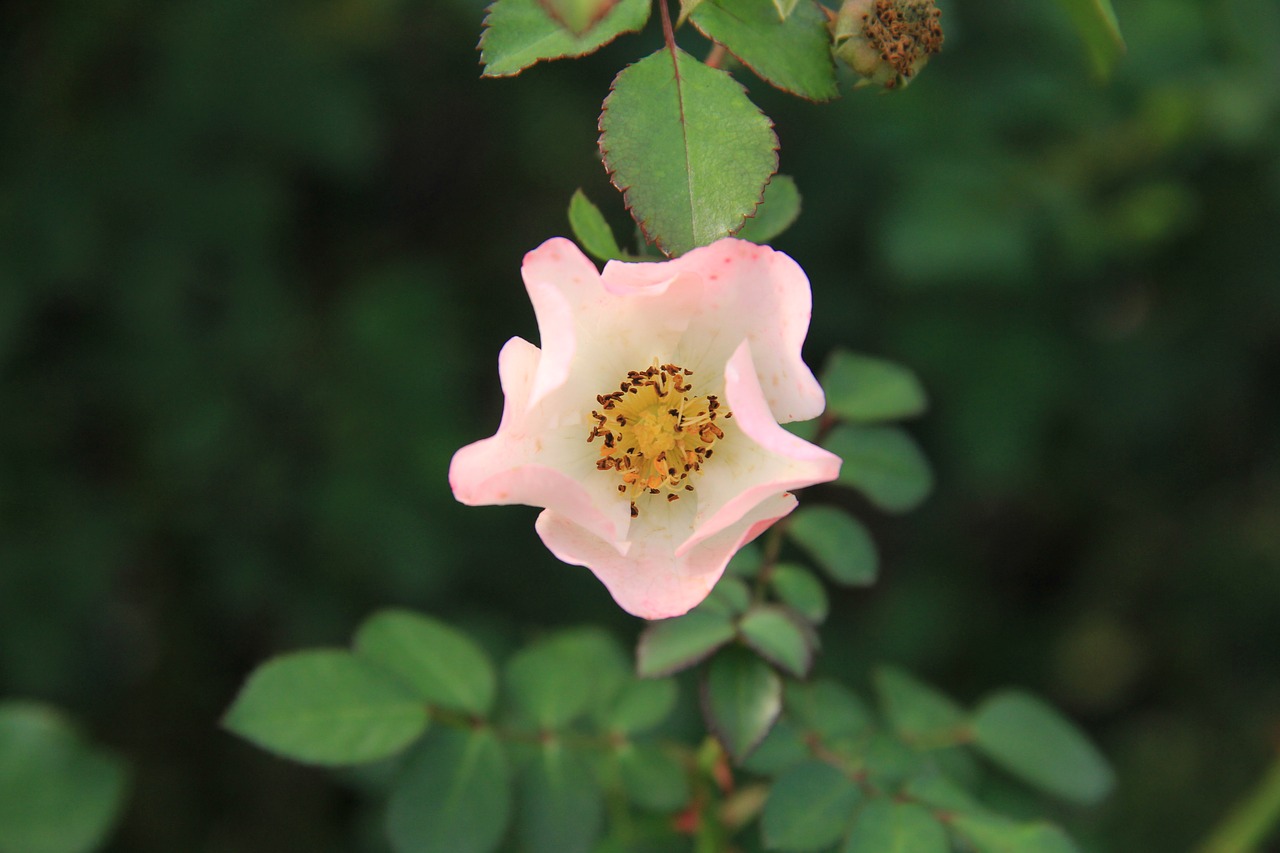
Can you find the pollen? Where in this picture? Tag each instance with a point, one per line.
(655, 432)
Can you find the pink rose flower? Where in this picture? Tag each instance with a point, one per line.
(647, 425)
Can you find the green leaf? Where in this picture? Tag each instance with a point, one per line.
(58, 793)
(789, 51)
(653, 778)
(777, 213)
(640, 705)
(1096, 23)
(1033, 741)
(799, 589)
(729, 597)
(443, 666)
(452, 796)
(741, 699)
(921, 715)
(671, 645)
(562, 677)
(591, 229)
(865, 389)
(838, 543)
(937, 791)
(780, 638)
(783, 748)
(828, 708)
(561, 804)
(808, 808)
(518, 33)
(884, 463)
(886, 826)
(687, 148)
(326, 706)
(989, 834)
(889, 762)
(578, 15)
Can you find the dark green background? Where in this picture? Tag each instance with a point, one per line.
(257, 260)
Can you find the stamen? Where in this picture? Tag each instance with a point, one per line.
(667, 432)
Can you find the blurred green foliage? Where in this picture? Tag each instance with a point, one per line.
(256, 262)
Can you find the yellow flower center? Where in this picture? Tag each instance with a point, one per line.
(656, 433)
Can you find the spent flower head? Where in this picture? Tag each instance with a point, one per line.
(887, 42)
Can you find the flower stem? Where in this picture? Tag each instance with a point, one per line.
(1251, 820)
(668, 32)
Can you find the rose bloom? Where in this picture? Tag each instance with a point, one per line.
(647, 425)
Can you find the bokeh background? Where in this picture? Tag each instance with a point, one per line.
(257, 260)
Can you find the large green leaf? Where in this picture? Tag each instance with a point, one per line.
(452, 796)
(442, 665)
(808, 808)
(741, 699)
(919, 713)
(780, 637)
(559, 678)
(58, 793)
(653, 778)
(799, 589)
(671, 645)
(591, 229)
(990, 834)
(838, 543)
(518, 33)
(884, 463)
(792, 52)
(640, 705)
(561, 807)
(828, 709)
(1032, 740)
(866, 389)
(777, 213)
(933, 789)
(1096, 23)
(578, 15)
(886, 826)
(688, 149)
(326, 706)
(784, 747)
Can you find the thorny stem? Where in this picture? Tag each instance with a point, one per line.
(716, 56)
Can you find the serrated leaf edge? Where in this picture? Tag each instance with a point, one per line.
(484, 32)
(653, 239)
(835, 86)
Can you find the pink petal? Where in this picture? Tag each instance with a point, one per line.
(515, 466)
(734, 290)
(757, 459)
(651, 581)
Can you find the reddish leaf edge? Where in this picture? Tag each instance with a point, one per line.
(605, 8)
(484, 32)
(831, 63)
(654, 239)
